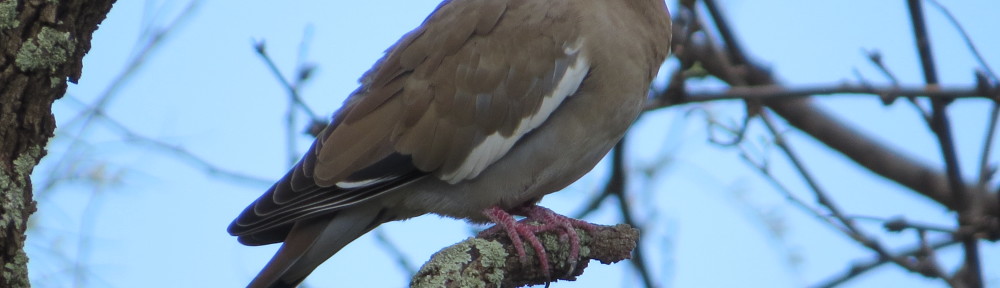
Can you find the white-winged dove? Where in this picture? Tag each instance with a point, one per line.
(481, 111)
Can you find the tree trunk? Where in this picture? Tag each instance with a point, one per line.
(42, 43)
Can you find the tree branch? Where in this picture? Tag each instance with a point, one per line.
(491, 262)
(940, 124)
(774, 92)
(42, 44)
(701, 55)
(860, 268)
(802, 113)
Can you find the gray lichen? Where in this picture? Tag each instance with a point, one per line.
(494, 258)
(8, 15)
(48, 50)
(12, 200)
(448, 268)
(56, 81)
(12, 184)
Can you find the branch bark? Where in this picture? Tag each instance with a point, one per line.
(42, 44)
(491, 262)
(781, 93)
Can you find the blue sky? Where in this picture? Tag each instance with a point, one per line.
(126, 214)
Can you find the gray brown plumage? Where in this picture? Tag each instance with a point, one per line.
(489, 103)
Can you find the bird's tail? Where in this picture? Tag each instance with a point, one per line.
(311, 242)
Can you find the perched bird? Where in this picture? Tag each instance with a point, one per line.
(476, 114)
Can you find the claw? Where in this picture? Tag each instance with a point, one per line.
(518, 231)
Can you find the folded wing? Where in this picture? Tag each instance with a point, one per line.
(447, 101)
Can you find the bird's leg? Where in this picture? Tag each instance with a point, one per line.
(549, 220)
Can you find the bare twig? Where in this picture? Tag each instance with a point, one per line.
(83, 243)
(734, 48)
(153, 41)
(187, 156)
(616, 186)
(776, 92)
(899, 224)
(965, 37)
(850, 228)
(843, 224)
(941, 126)
(295, 102)
(985, 171)
(830, 130)
(821, 196)
(731, 65)
(764, 169)
(303, 71)
(860, 268)
(390, 248)
(875, 58)
(180, 152)
(261, 48)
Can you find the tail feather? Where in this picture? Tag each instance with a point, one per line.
(311, 242)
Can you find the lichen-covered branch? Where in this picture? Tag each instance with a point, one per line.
(491, 262)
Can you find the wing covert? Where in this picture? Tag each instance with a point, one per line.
(449, 99)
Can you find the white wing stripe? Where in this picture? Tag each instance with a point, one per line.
(362, 183)
(495, 145)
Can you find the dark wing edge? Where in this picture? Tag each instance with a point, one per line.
(296, 196)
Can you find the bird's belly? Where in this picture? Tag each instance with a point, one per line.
(544, 161)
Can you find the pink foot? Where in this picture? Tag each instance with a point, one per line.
(516, 230)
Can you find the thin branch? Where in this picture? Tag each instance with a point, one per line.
(801, 112)
(941, 126)
(180, 152)
(291, 144)
(261, 48)
(155, 39)
(192, 159)
(764, 169)
(303, 71)
(606, 192)
(616, 186)
(292, 88)
(390, 248)
(733, 46)
(860, 268)
(84, 243)
(593, 204)
(843, 223)
(985, 171)
(821, 196)
(776, 92)
(900, 224)
(875, 58)
(923, 41)
(850, 227)
(807, 116)
(965, 37)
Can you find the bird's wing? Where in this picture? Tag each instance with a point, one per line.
(448, 100)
